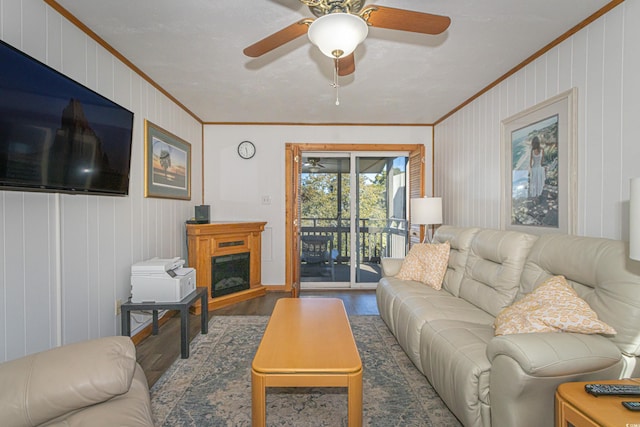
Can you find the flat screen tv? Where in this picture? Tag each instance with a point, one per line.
(57, 135)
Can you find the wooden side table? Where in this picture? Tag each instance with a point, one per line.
(575, 407)
(200, 294)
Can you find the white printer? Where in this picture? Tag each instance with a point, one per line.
(161, 280)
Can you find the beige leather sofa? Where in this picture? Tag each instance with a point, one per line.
(93, 383)
(510, 380)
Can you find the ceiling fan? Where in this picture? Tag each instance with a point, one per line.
(313, 164)
(340, 25)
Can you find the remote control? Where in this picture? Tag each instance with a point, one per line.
(613, 389)
(632, 406)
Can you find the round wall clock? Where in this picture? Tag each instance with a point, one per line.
(246, 149)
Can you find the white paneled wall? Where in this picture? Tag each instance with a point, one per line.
(603, 62)
(65, 260)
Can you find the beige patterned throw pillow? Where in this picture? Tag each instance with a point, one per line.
(426, 263)
(554, 306)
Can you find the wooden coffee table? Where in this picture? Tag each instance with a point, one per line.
(307, 343)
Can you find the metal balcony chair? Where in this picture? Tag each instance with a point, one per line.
(317, 251)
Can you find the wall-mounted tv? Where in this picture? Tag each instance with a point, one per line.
(57, 135)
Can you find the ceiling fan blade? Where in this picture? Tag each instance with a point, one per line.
(346, 65)
(405, 20)
(279, 38)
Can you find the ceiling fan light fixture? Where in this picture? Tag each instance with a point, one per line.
(338, 34)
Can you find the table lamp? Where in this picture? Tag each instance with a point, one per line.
(426, 211)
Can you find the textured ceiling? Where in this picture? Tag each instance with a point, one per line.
(193, 49)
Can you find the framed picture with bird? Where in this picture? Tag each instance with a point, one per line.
(167, 167)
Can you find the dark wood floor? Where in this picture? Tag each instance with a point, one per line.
(156, 353)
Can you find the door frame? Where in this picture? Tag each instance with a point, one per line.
(293, 168)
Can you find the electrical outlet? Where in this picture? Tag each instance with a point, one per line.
(266, 200)
(118, 304)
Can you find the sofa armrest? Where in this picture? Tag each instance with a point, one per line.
(131, 409)
(391, 266)
(553, 354)
(526, 369)
(43, 386)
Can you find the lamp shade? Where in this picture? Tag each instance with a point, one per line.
(426, 210)
(338, 34)
(634, 219)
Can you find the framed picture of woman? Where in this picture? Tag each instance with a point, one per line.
(539, 167)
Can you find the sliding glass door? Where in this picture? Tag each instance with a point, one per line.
(381, 214)
(353, 210)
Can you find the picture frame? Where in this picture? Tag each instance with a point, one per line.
(539, 167)
(167, 164)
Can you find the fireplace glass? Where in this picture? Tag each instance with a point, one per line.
(229, 274)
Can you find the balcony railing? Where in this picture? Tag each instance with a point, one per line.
(377, 238)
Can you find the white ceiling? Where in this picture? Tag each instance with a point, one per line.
(193, 49)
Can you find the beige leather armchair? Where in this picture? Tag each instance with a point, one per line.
(92, 383)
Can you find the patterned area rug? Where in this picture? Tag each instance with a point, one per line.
(213, 386)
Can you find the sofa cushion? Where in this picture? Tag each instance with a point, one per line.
(391, 294)
(454, 359)
(389, 289)
(426, 263)
(412, 311)
(459, 239)
(492, 274)
(601, 273)
(46, 385)
(552, 307)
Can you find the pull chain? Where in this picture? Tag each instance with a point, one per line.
(335, 77)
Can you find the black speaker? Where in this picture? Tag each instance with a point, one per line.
(202, 214)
